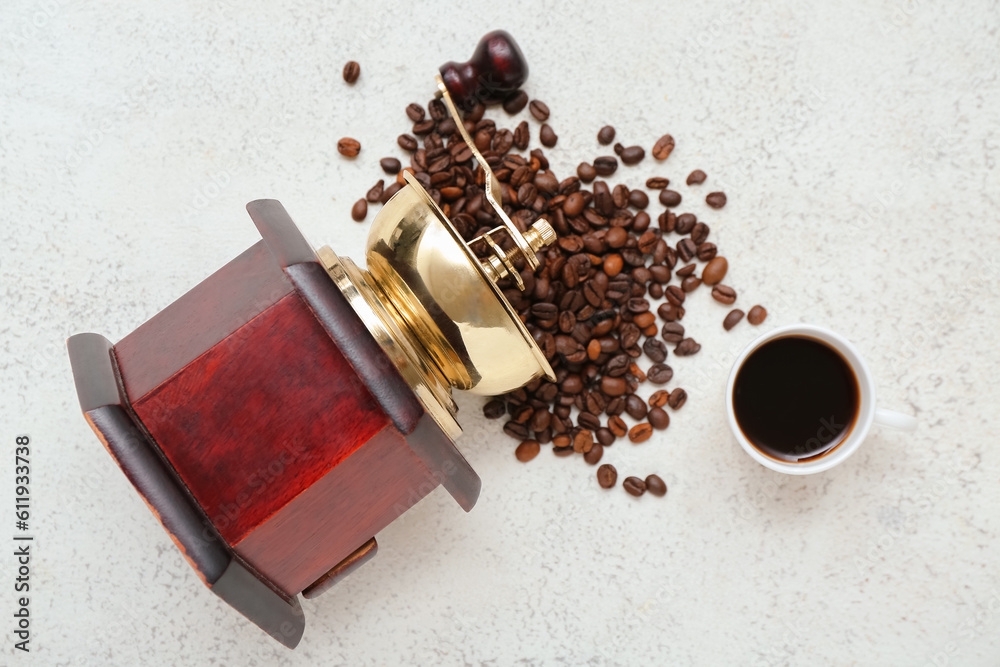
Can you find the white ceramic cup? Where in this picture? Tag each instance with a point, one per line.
(867, 412)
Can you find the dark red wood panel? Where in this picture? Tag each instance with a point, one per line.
(212, 310)
(260, 417)
(338, 513)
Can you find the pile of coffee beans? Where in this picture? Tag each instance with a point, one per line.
(589, 305)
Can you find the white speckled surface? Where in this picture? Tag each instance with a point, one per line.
(858, 143)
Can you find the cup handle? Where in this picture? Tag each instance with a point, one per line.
(895, 420)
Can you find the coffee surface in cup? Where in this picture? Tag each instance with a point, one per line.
(795, 398)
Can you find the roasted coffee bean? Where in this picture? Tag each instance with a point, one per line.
(658, 398)
(539, 110)
(616, 366)
(687, 347)
(732, 319)
(527, 450)
(715, 271)
(724, 294)
(690, 284)
(595, 454)
(757, 315)
(659, 373)
(352, 70)
(515, 102)
(657, 183)
(606, 135)
(669, 312)
(613, 386)
(617, 425)
(635, 407)
(359, 210)
(390, 165)
(699, 234)
(672, 332)
(407, 142)
(640, 200)
(583, 441)
(618, 149)
(667, 221)
(540, 419)
(670, 198)
(658, 418)
(686, 270)
(655, 350)
(545, 311)
(375, 194)
(633, 154)
(655, 485)
(561, 451)
(640, 432)
(605, 165)
(522, 135)
(515, 430)
(675, 295)
(607, 476)
(696, 177)
(634, 486)
(349, 147)
(663, 147)
(620, 196)
(686, 250)
(605, 436)
(706, 252)
(677, 398)
(685, 223)
(494, 409)
(716, 199)
(589, 420)
(586, 172)
(415, 112)
(547, 136)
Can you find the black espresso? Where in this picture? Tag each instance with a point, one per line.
(795, 398)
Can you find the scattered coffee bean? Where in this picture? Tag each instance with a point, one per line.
(716, 199)
(663, 147)
(685, 223)
(658, 418)
(547, 136)
(587, 172)
(375, 194)
(672, 332)
(706, 252)
(607, 476)
(539, 109)
(606, 135)
(634, 486)
(595, 454)
(618, 148)
(657, 183)
(670, 198)
(605, 165)
(583, 441)
(696, 177)
(407, 142)
(715, 271)
(655, 350)
(352, 71)
(656, 486)
(527, 450)
(677, 398)
(349, 147)
(687, 347)
(724, 294)
(633, 154)
(360, 210)
(390, 165)
(659, 373)
(516, 430)
(516, 102)
(640, 433)
(415, 112)
(732, 319)
(699, 233)
(494, 409)
(635, 407)
(757, 315)
(690, 283)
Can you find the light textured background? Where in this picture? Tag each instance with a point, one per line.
(858, 144)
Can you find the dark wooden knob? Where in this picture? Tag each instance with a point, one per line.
(495, 70)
